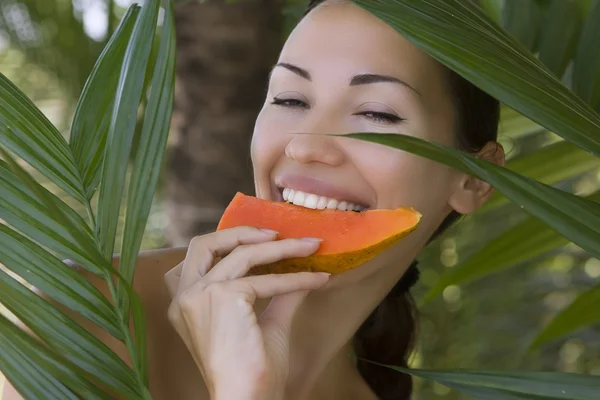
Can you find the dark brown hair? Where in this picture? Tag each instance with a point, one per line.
(388, 335)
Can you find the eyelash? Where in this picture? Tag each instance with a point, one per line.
(378, 117)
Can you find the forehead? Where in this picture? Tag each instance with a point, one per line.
(339, 38)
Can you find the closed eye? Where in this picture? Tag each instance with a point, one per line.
(289, 103)
(381, 117)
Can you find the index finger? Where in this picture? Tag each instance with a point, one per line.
(203, 251)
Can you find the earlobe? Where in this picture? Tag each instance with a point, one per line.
(471, 193)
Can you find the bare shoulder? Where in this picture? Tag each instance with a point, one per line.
(172, 371)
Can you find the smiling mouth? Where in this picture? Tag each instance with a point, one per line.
(316, 202)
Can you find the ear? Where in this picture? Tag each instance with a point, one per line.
(471, 193)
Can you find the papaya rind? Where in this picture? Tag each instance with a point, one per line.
(330, 263)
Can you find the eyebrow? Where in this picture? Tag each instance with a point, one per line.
(295, 69)
(365, 79)
(357, 80)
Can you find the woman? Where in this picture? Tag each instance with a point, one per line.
(211, 334)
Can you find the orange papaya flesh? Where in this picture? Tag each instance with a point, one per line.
(349, 238)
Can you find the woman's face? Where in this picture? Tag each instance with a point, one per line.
(343, 70)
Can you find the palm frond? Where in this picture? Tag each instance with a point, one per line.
(41, 229)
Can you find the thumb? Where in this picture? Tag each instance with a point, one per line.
(281, 310)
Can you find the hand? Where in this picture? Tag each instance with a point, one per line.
(241, 356)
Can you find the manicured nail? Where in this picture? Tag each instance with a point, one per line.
(270, 232)
(314, 240)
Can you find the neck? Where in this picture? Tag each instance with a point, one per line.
(322, 333)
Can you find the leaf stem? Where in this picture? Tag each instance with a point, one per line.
(128, 340)
(90, 213)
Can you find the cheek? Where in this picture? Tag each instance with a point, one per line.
(401, 179)
(267, 146)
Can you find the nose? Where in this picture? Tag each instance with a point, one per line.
(310, 147)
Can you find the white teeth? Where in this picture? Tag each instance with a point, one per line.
(313, 201)
(322, 204)
(299, 198)
(332, 203)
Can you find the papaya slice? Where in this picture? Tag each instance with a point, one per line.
(349, 238)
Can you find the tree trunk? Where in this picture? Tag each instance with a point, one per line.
(225, 52)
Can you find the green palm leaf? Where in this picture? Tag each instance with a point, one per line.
(586, 74)
(576, 218)
(522, 19)
(66, 337)
(146, 169)
(88, 132)
(122, 128)
(458, 34)
(514, 125)
(150, 153)
(26, 131)
(47, 229)
(56, 280)
(584, 311)
(21, 208)
(38, 373)
(493, 8)
(559, 36)
(515, 385)
(550, 165)
(85, 248)
(527, 240)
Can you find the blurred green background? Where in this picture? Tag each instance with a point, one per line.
(225, 51)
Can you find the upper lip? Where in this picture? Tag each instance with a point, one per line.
(320, 188)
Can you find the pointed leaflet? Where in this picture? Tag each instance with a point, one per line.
(147, 167)
(21, 207)
(458, 34)
(26, 207)
(151, 149)
(84, 253)
(576, 218)
(559, 36)
(26, 131)
(522, 19)
(584, 311)
(517, 385)
(94, 109)
(66, 337)
(56, 280)
(37, 372)
(525, 241)
(586, 73)
(122, 127)
(139, 327)
(550, 164)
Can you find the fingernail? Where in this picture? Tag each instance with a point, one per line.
(270, 232)
(327, 274)
(314, 240)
